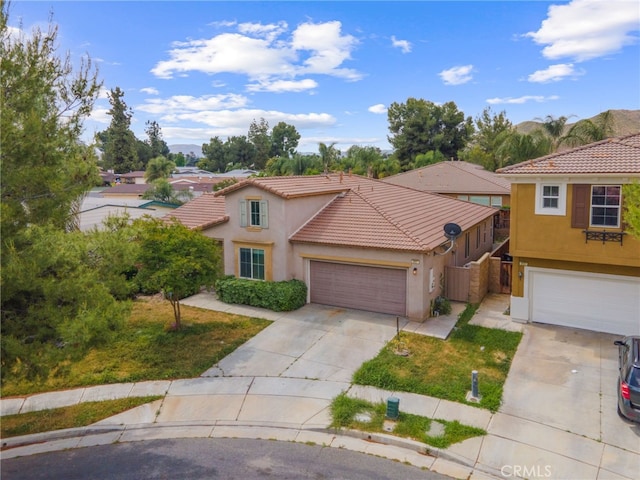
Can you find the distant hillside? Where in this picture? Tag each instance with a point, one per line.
(625, 122)
(186, 149)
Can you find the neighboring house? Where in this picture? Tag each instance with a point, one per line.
(94, 210)
(573, 262)
(461, 180)
(136, 177)
(136, 190)
(356, 242)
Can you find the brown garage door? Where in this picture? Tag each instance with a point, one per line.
(360, 287)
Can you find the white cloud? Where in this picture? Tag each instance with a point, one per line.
(403, 45)
(554, 73)
(279, 86)
(185, 103)
(457, 75)
(586, 29)
(265, 54)
(521, 100)
(378, 108)
(100, 115)
(150, 90)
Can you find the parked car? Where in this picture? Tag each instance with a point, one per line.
(629, 379)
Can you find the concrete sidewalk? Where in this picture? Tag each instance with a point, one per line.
(279, 385)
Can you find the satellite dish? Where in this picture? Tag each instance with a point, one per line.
(452, 231)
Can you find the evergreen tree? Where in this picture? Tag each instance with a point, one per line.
(120, 149)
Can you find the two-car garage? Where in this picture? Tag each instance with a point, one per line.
(603, 303)
(360, 287)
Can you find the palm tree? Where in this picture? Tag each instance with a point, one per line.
(328, 154)
(518, 147)
(554, 128)
(589, 131)
(159, 167)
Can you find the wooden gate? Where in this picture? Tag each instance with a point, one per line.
(457, 283)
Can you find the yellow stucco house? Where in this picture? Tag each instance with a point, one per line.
(574, 264)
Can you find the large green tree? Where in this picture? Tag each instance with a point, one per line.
(419, 126)
(176, 261)
(260, 138)
(162, 191)
(284, 140)
(119, 144)
(45, 167)
(589, 131)
(329, 154)
(155, 141)
(159, 167)
(214, 160)
(491, 130)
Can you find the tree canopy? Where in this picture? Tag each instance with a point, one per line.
(118, 143)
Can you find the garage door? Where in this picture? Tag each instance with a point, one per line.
(603, 303)
(360, 287)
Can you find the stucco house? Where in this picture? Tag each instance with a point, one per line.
(356, 242)
(461, 180)
(573, 262)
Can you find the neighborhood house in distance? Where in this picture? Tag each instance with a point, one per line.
(573, 262)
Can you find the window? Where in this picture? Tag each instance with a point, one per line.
(550, 195)
(254, 213)
(467, 245)
(605, 206)
(252, 263)
(551, 199)
(496, 201)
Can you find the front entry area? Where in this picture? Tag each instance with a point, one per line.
(360, 287)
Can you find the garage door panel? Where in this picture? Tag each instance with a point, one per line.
(358, 286)
(604, 303)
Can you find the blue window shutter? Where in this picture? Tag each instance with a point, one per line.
(264, 214)
(243, 213)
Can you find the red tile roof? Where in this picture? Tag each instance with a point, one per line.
(612, 156)
(453, 178)
(375, 214)
(203, 212)
(294, 186)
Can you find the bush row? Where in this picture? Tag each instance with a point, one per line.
(277, 296)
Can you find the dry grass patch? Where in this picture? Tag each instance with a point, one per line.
(147, 349)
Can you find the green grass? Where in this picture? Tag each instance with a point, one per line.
(415, 427)
(75, 416)
(442, 368)
(147, 349)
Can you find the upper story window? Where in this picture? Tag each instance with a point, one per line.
(550, 199)
(605, 206)
(254, 213)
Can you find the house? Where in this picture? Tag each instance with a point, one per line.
(573, 262)
(356, 242)
(94, 210)
(461, 180)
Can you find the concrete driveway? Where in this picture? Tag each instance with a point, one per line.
(559, 418)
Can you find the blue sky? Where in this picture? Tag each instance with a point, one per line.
(205, 69)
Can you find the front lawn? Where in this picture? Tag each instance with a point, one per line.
(442, 368)
(74, 416)
(147, 349)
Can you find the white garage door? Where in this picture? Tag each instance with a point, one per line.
(603, 303)
(359, 287)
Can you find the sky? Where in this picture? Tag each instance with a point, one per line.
(204, 69)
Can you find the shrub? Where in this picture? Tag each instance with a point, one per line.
(277, 296)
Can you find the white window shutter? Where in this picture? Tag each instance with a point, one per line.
(243, 213)
(264, 214)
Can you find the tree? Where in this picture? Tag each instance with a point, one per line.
(162, 191)
(554, 128)
(261, 141)
(328, 154)
(45, 167)
(518, 147)
(159, 167)
(419, 126)
(284, 140)
(491, 130)
(589, 131)
(239, 151)
(631, 208)
(213, 152)
(154, 139)
(120, 149)
(176, 261)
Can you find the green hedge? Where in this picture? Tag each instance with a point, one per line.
(277, 296)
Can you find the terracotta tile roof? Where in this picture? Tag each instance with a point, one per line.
(294, 186)
(127, 189)
(612, 156)
(203, 212)
(453, 178)
(375, 214)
